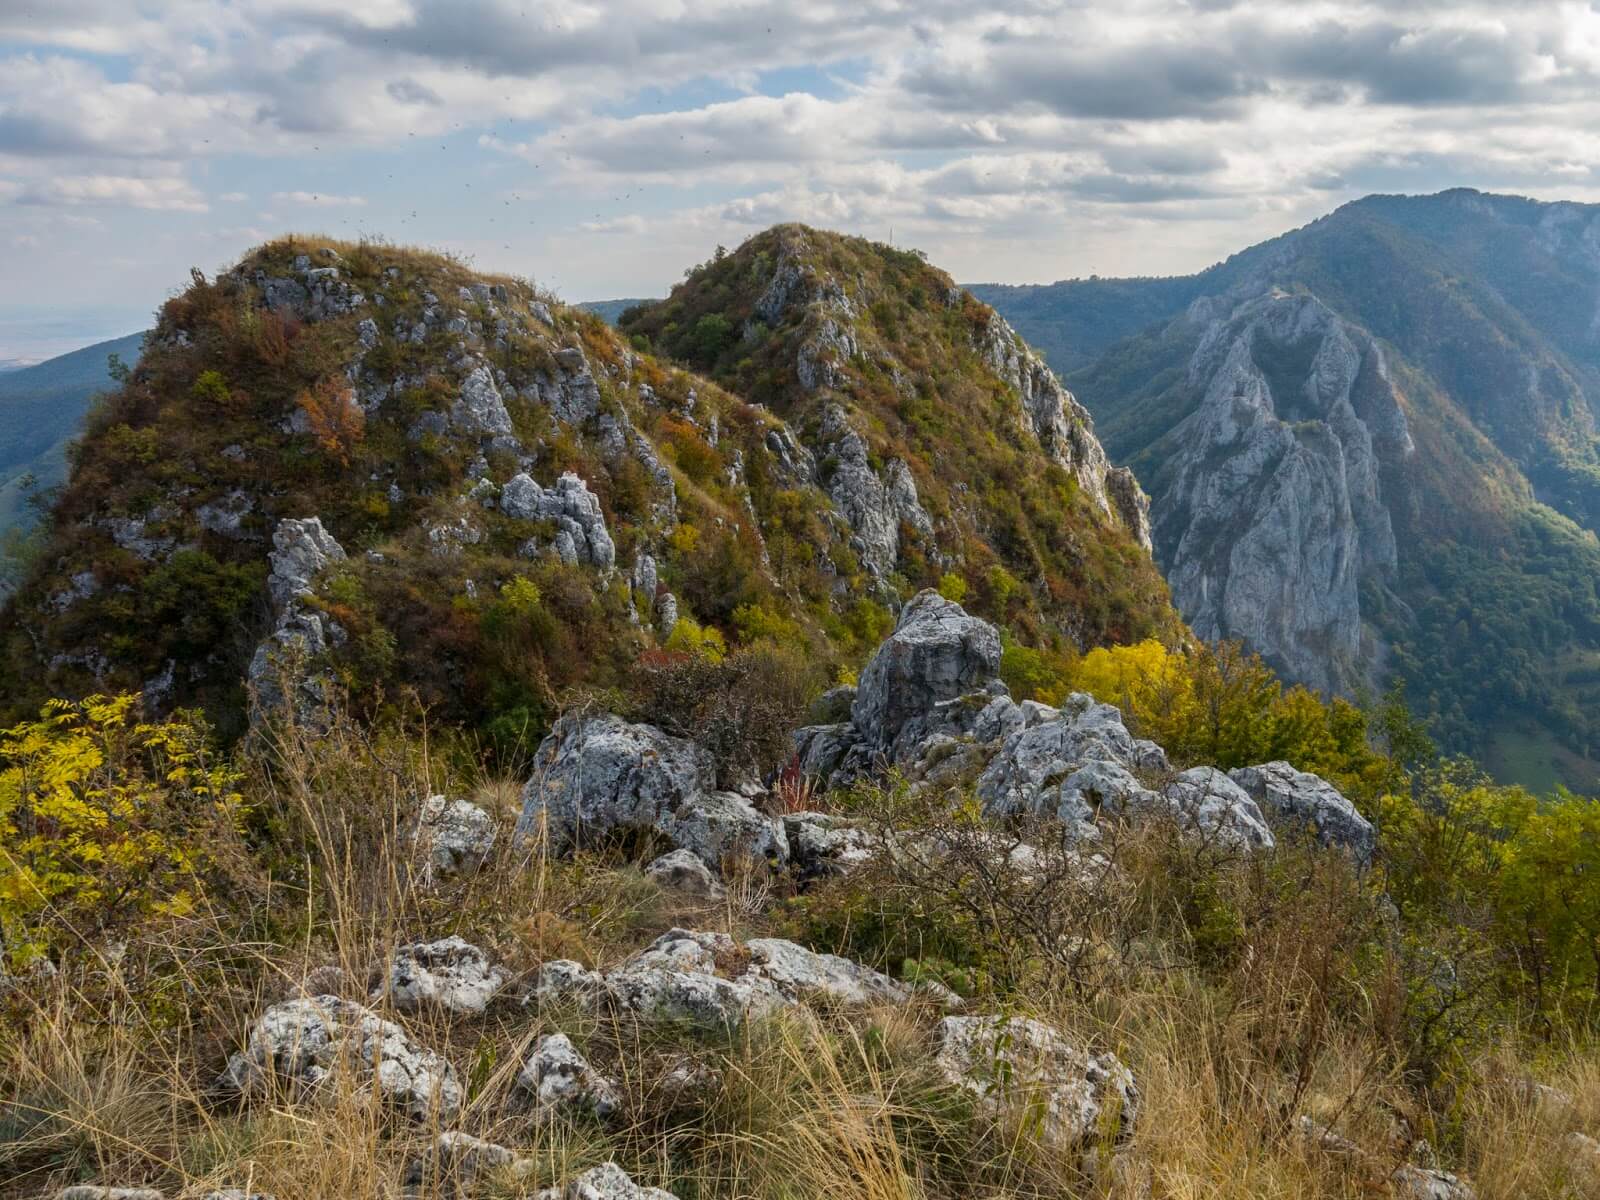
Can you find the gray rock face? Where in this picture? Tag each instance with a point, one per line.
(683, 871)
(581, 535)
(1272, 510)
(824, 844)
(1017, 1065)
(480, 410)
(1298, 799)
(874, 507)
(458, 837)
(572, 396)
(313, 1041)
(597, 776)
(556, 1078)
(1422, 1183)
(1216, 807)
(936, 653)
(91, 1191)
(450, 974)
(301, 549)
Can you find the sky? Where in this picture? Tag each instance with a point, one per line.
(601, 147)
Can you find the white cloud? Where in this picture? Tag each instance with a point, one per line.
(318, 200)
(124, 191)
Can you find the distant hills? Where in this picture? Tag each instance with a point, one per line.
(610, 310)
(41, 410)
(1371, 447)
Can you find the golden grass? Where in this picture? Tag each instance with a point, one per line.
(105, 1068)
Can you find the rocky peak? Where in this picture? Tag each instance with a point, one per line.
(1272, 508)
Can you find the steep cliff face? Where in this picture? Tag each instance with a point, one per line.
(942, 438)
(1271, 508)
(1372, 449)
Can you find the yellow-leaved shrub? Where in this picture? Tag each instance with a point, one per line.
(104, 819)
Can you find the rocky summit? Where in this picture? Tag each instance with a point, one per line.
(336, 462)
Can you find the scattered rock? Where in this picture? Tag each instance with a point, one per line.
(456, 1158)
(605, 1182)
(1422, 1183)
(557, 1078)
(683, 871)
(458, 837)
(89, 1191)
(312, 1041)
(1018, 1065)
(451, 974)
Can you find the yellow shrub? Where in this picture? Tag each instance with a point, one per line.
(103, 819)
(688, 636)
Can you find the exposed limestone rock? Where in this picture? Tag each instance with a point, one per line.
(564, 982)
(605, 1182)
(312, 1041)
(874, 508)
(573, 396)
(301, 549)
(581, 535)
(708, 979)
(1422, 1183)
(1272, 510)
(1017, 1066)
(557, 1078)
(480, 409)
(936, 652)
(1209, 802)
(824, 844)
(683, 871)
(598, 775)
(1292, 798)
(458, 837)
(226, 515)
(457, 1158)
(90, 1191)
(1130, 503)
(451, 974)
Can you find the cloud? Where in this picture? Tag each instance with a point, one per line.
(118, 191)
(318, 200)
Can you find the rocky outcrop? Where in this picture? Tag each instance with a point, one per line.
(1064, 427)
(1272, 512)
(450, 974)
(581, 535)
(1308, 803)
(599, 776)
(455, 1159)
(557, 1079)
(1020, 1068)
(936, 653)
(315, 1041)
(875, 507)
(301, 549)
(1208, 802)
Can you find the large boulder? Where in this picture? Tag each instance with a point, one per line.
(581, 534)
(1017, 1065)
(1300, 800)
(1044, 765)
(311, 1041)
(1206, 801)
(937, 652)
(599, 776)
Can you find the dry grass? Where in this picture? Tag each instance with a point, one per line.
(105, 1069)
